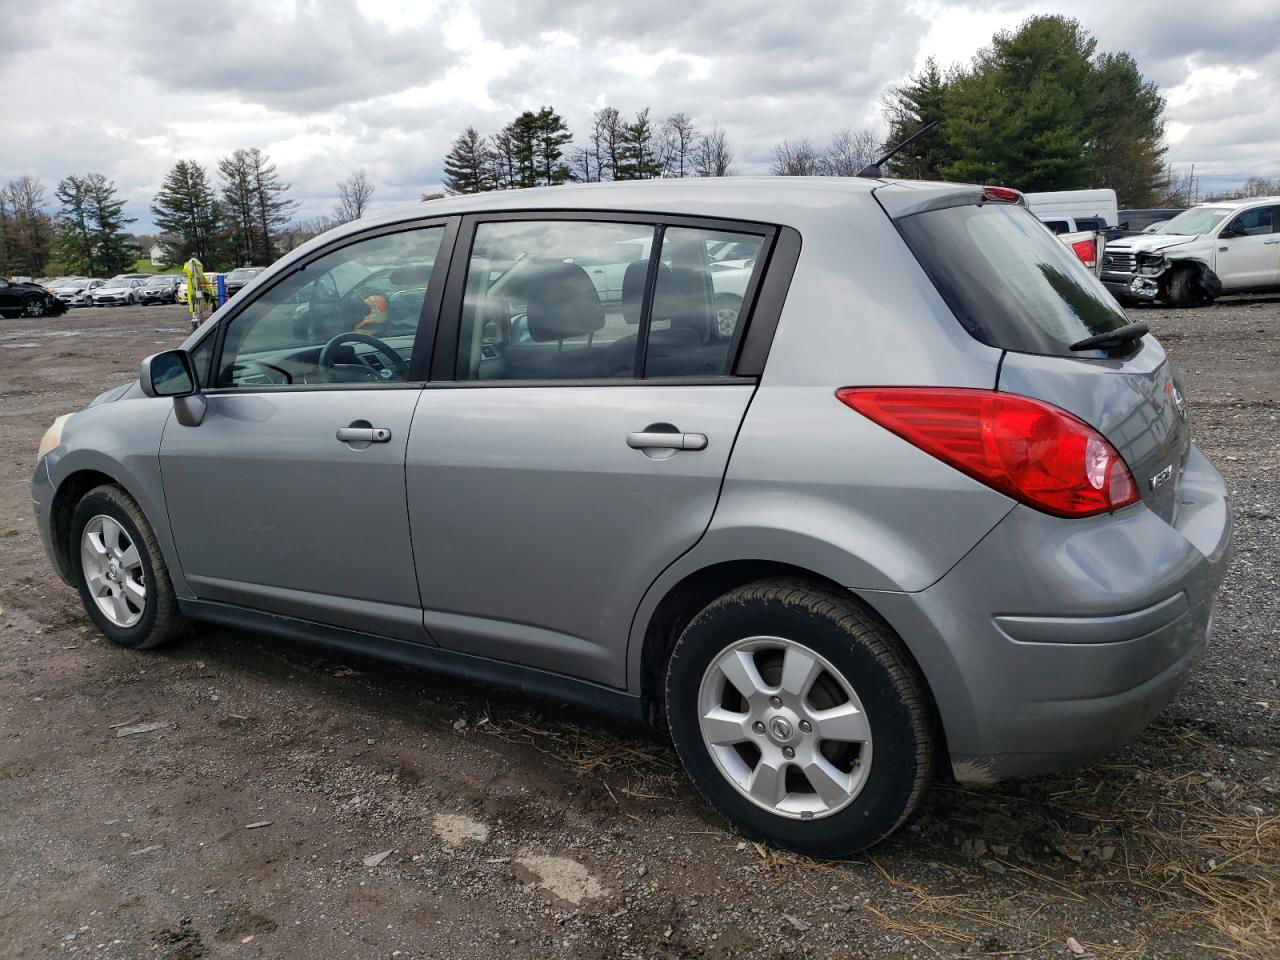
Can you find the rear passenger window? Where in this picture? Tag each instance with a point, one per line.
(565, 300)
(553, 300)
(702, 283)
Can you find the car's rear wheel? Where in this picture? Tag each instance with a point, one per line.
(799, 716)
(120, 572)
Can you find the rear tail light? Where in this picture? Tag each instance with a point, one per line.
(1001, 195)
(1026, 449)
(1087, 251)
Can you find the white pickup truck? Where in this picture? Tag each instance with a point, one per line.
(1231, 246)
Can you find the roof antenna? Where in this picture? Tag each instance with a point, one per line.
(876, 170)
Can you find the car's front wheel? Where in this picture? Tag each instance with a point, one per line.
(34, 307)
(121, 574)
(798, 714)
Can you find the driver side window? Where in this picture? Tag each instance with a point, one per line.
(349, 317)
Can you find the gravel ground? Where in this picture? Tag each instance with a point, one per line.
(275, 804)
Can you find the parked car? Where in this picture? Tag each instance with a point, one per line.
(932, 503)
(161, 289)
(240, 276)
(1140, 221)
(1232, 246)
(27, 300)
(78, 293)
(1072, 211)
(122, 290)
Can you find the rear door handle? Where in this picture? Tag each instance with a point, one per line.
(364, 434)
(667, 441)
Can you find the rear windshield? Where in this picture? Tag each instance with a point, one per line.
(1009, 281)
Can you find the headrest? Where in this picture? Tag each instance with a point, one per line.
(561, 301)
(681, 297)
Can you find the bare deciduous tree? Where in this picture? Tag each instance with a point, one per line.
(798, 159)
(850, 151)
(677, 145)
(713, 158)
(354, 194)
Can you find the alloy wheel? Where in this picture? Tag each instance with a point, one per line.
(113, 571)
(33, 307)
(785, 727)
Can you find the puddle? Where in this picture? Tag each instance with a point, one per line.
(562, 877)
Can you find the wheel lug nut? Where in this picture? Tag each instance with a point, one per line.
(788, 752)
(758, 727)
(806, 726)
(775, 701)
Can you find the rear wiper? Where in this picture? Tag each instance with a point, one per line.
(1113, 339)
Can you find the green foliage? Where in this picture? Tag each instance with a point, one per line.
(91, 238)
(1038, 110)
(909, 107)
(186, 211)
(468, 167)
(257, 210)
(638, 150)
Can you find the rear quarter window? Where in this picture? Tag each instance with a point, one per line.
(1010, 282)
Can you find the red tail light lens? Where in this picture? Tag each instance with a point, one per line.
(1087, 251)
(1001, 195)
(1026, 449)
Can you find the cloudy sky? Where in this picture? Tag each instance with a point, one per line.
(125, 87)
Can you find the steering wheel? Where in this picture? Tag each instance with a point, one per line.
(326, 359)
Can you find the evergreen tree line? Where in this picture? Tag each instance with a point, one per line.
(1039, 109)
(534, 150)
(241, 218)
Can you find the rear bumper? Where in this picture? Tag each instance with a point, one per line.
(1055, 642)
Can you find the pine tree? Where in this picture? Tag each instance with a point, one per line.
(254, 196)
(91, 235)
(468, 168)
(637, 154)
(550, 137)
(907, 109)
(187, 214)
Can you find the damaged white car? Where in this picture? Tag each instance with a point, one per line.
(1232, 246)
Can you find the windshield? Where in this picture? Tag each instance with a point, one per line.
(1193, 222)
(242, 274)
(1010, 282)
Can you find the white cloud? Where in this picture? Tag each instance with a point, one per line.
(125, 87)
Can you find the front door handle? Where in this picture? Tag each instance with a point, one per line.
(364, 434)
(666, 441)
(1267, 243)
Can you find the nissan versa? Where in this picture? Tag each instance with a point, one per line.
(893, 489)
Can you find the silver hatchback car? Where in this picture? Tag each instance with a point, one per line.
(892, 489)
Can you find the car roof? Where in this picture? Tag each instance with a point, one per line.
(768, 199)
(1238, 204)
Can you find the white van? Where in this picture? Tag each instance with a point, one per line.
(1070, 211)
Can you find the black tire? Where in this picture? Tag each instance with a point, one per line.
(860, 646)
(34, 307)
(1184, 290)
(161, 620)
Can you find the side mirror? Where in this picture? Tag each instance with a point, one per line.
(168, 374)
(1232, 230)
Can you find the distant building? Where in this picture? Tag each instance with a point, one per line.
(158, 258)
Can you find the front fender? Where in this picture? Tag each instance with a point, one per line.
(121, 440)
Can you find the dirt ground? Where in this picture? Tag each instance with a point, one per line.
(277, 804)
